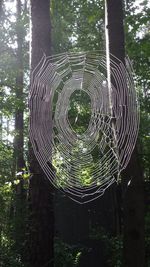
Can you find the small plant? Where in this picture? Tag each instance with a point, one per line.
(66, 255)
(113, 246)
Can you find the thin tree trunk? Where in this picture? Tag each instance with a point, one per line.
(40, 192)
(133, 191)
(1, 8)
(19, 124)
(19, 165)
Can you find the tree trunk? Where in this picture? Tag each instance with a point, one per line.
(134, 248)
(114, 46)
(40, 191)
(19, 164)
(133, 192)
(1, 8)
(19, 124)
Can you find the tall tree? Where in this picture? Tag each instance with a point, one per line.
(1, 7)
(19, 205)
(40, 194)
(19, 139)
(132, 177)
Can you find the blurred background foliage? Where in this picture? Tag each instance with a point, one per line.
(76, 26)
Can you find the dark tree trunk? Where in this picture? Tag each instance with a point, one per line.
(19, 164)
(41, 30)
(40, 192)
(115, 29)
(115, 46)
(133, 192)
(134, 248)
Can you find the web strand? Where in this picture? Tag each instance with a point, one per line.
(85, 164)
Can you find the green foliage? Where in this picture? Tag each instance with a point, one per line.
(66, 255)
(11, 225)
(63, 19)
(81, 24)
(144, 138)
(89, 27)
(137, 46)
(76, 25)
(6, 162)
(113, 246)
(79, 113)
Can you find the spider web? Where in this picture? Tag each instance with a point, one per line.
(84, 163)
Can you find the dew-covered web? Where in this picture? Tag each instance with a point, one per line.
(83, 129)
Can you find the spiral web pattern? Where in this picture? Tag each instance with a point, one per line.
(83, 164)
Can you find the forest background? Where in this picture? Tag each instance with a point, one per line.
(76, 26)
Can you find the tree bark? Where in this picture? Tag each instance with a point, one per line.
(19, 123)
(133, 200)
(19, 163)
(40, 191)
(132, 177)
(114, 46)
